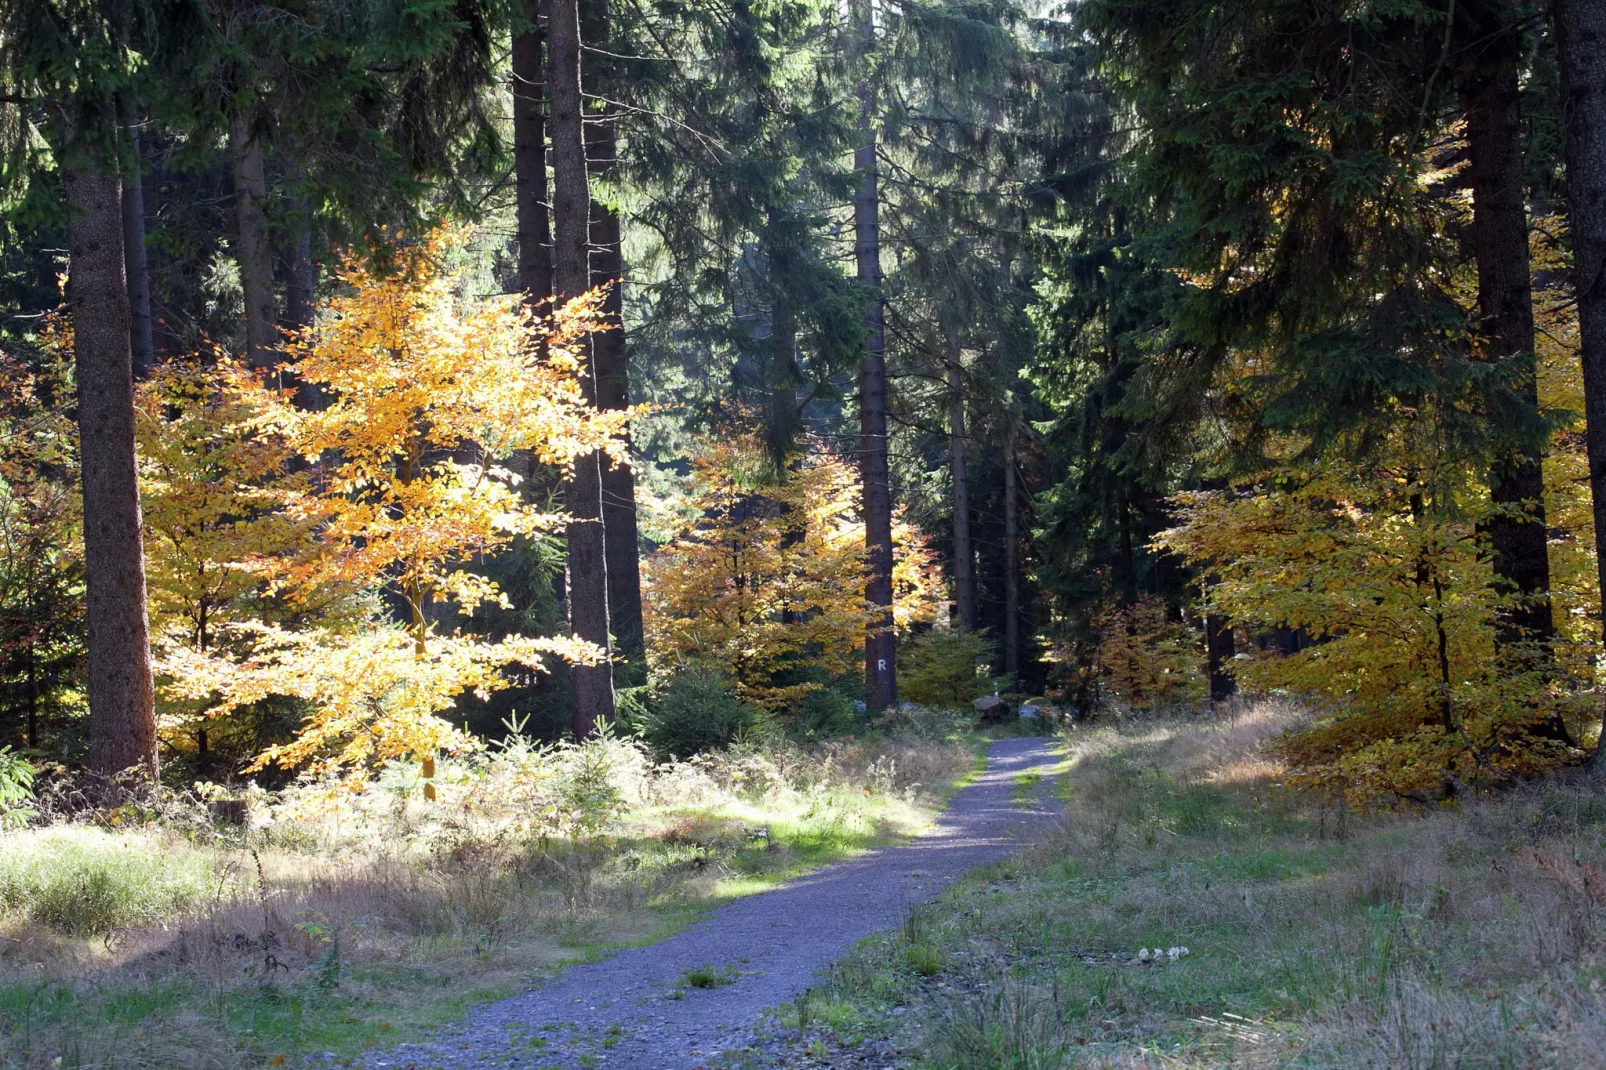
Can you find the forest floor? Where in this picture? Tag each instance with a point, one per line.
(1467, 937)
(682, 1002)
(144, 939)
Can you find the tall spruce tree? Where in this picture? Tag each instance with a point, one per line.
(875, 474)
(62, 66)
(593, 698)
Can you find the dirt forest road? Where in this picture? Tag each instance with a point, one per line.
(618, 1013)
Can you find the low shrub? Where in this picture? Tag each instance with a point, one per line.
(16, 788)
(694, 712)
(822, 713)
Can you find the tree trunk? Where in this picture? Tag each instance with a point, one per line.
(301, 293)
(587, 543)
(533, 210)
(880, 643)
(1011, 566)
(613, 392)
(964, 556)
(1505, 311)
(1581, 46)
(1219, 650)
(255, 251)
(301, 278)
(529, 160)
(141, 341)
(122, 723)
(782, 376)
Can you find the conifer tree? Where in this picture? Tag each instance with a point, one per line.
(1581, 43)
(60, 67)
(593, 700)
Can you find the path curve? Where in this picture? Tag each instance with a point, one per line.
(617, 1012)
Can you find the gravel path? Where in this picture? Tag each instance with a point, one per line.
(620, 1012)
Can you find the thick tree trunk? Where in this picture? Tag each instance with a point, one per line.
(122, 723)
(534, 214)
(964, 556)
(255, 250)
(1581, 46)
(571, 202)
(1505, 311)
(141, 341)
(1011, 566)
(613, 392)
(880, 643)
(529, 160)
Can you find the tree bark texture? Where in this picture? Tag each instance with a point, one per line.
(964, 555)
(587, 543)
(1011, 566)
(613, 392)
(1581, 48)
(142, 342)
(529, 160)
(1505, 312)
(534, 214)
(122, 722)
(255, 251)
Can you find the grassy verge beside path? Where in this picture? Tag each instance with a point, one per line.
(1471, 937)
(175, 944)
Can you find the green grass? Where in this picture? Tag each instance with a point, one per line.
(1474, 937)
(87, 881)
(709, 977)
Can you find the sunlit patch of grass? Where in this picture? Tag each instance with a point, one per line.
(84, 881)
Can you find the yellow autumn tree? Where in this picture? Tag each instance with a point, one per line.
(767, 578)
(428, 394)
(1389, 579)
(212, 494)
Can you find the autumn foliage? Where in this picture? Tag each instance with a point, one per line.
(400, 480)
(1382, 563)
(765, 580)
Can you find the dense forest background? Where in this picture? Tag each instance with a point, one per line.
(1109, 355)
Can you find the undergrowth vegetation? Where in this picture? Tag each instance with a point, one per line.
(158, 937)
(1469, 936)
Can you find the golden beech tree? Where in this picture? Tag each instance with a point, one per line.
(428, 394)
(767, 579)
(212, 493)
